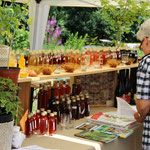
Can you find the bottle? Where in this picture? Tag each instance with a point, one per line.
(62, 106)
(49, 89)
(34, 120)
(52, 101)
(55, 116)
(57, 109)
(122, 79)
(82, 104)
(61, 89)
(51, 124)
(43, 124)
(68, 88)
(87, 106)
(73, 89)
(28, 126)
(78, 109)
(45, 113)
(45, 98)
(56, 89)
(40, 97)
(78, 86)
(48, 114)
(74, 109)
(37, 120)
(127, 87)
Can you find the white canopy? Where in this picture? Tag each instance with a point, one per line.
(39, 13)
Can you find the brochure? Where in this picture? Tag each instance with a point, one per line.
(87, 126)
(121, 132)
(96, 136)
(124, 117)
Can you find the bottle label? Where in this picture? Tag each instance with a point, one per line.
(53, 126)
(82, 111)
(74, 107)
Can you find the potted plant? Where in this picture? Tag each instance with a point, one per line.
(9, 111)
(121, 14)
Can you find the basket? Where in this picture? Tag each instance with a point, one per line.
(4, 52)
(6, 133)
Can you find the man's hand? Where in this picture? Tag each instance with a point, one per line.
(138, 118)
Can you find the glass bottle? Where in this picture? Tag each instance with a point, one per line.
(52, 101)
(28, 126)
(55, 117)
(74, 109)
(127, 86)
(68, 88)
(48, 113)
(87, 106)
(56, 89)
(82, 104)
(57, 109)
(43, 124)
(34, 120)
(45, 98)
(40, 58)
(49, 89)
(73, 89)
(45, 113)
(78, 109)
(78, 86)
(40, 96)
(61, 89)
(51, 124)
(37, 119)
(22, 61)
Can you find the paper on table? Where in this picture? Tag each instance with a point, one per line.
(124, 109)
(34, 147)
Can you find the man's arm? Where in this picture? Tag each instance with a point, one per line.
(143, 107)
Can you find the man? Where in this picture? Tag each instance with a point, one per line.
(143, 84)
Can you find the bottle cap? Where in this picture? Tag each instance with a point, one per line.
(42, 109)
(42, 114)
(49, 111)
(57, 102)
(55, 113)
(78, 99)
(52, 115)
(68, 102)
(37, 111)
(82, 98)
(73, 100)
(63, 99)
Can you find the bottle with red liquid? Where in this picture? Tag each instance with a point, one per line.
(46, 121)
(34, 120)
(48, 114)
(82, 104)
(87, 106)
(43, 124)
(38, 120)
(28, 126)
(40, 96)
(68, 88)
(55, 116)
(52, 124)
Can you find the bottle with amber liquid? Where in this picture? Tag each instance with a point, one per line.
(82, 104)
(61, 89)
(56, 89)
(68, 88)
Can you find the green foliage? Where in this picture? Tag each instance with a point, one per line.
(75, 42)
(12, 19)
(122, 15)
(9, 102)
(21, 40)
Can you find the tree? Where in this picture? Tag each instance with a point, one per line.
(122, 14)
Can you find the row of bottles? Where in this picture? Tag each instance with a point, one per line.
(42, 57)
(41, 122)
(126, 86)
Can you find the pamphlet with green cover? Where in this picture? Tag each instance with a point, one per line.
(87, 126)
(121, 132)
(96, 136)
